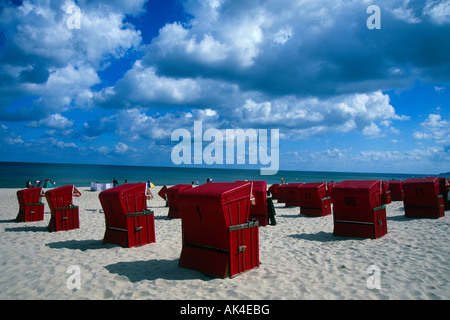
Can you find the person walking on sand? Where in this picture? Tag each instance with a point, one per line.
(115, 182)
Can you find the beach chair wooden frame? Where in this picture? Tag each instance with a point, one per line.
(363, 229)
(396, 189)
(172, 198)
(128, 222)
(292, 195)
(241, 255)
(31, 208)
(139, 230)
(315, 200)
(281, 193)
(386, 197)
(422, 198)
(64, 215)
(357, 209)
(217, 237)
(273, 191)
(258, 211)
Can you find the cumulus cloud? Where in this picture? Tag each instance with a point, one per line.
(299, 65)
(303, 118)
(372, 130)
(434, 127)
(439, 11)
(142, 86)
(308, 68)
(54, 121)
(42, 57)
(122, 148)
(135, 125)
(304, 48)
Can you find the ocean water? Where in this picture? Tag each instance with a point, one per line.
(15, 175)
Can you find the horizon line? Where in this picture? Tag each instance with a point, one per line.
(222, 168)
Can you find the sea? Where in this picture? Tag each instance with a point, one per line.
(16, 175)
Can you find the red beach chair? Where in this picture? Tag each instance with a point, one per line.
(292, 195)
(258, 211)
(357, 209)
(385, 193)
(281, 192)
(396, 188)
(330, 186)
(172, 198)
(273, 191)
(217, 237)
(163, 192)
(422, 198)
(128, 221)
(65, 215)
(31, 208)
(315, 200)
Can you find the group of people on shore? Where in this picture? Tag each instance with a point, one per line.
(38, 183)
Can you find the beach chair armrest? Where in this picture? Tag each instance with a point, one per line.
(142, 213)
(248, 224)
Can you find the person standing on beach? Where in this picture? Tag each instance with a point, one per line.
(270, 210)
(115, 182)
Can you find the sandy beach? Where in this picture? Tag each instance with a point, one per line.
(300, 259)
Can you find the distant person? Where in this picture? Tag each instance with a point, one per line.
(126, 181)
(115, 182)
(270, 210)
(446, 195)
(28, 185)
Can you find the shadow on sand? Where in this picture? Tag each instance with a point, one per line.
(322, 237)
(137, 271)
(82, 245)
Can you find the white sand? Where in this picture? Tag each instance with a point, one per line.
(300, 259)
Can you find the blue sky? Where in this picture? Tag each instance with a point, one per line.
(344, 97)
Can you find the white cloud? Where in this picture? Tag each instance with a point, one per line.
(104, 150)
(122, 148)
(42, 57)
(54, 121)
(439, 89)
(297, 118)
(308, 68)
(283, 35)
(142, 85)
(240, 43)
(135, 126)
(13, 141)
(53, 142)
(434, 127)
(439, 11)
(309, 117)
(406, 14)
(371, 131)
